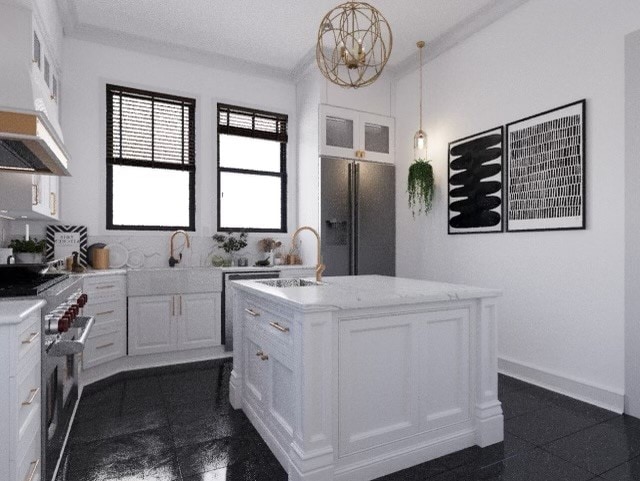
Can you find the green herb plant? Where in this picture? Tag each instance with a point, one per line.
(229, 243)
(31, 246)
(420, 186)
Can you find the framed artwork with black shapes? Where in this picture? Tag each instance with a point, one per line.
(475, 190)
(545, 175)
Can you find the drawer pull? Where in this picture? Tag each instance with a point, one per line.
(251, 312)
(279, 327)
(110, 286)
(104, 313)
(103, 346)
(32, 395)
(32, 337)
(32, 472)
(259, 353)
(264, 357)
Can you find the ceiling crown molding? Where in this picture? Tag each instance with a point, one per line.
(113, 38)
(459, 33)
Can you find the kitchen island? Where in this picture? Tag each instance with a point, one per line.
(363, 376)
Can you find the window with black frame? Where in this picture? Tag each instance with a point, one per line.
(252, 170)
(150, 160)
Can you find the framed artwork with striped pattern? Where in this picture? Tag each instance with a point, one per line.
(63, 240)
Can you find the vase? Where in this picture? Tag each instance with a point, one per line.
(28, 257)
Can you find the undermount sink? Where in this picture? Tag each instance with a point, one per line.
(289, 283)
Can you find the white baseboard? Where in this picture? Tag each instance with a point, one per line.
(580, 389)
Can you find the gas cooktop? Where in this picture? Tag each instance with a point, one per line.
(21, 281)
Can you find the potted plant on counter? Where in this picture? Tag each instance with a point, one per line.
(28, 251)
(231, 244)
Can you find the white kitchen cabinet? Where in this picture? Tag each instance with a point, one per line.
(173, 322)
(152, 326)
(108, 306)
(199, 320)
(20, 385)
(353, 134)
(30, 196)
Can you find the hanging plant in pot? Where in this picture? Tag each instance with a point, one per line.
(420, 181)
(420, 186)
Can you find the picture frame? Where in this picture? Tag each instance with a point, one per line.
(63, 240)
(475, 173)
(545, 171)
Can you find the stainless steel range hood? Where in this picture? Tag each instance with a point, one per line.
(29, 143)
(30, 136)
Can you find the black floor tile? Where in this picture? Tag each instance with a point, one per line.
(509, 384)
(147, 468)
(629, 471)
(417, 473)
(198, 426)
(602, 447)
(114, 426)
(481, 457)
(220, 453)
(534, 465)
(566, 402)
(547, 424)
(254, 469)
(156, 444)
(517, 403)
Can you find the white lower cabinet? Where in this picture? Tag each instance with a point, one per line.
(108, 306)
(173, 322)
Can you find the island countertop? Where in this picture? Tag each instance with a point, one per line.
(353, 292)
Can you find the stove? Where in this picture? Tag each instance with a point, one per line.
(26, 280)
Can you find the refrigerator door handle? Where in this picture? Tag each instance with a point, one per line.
(355, 218)
(350, 225)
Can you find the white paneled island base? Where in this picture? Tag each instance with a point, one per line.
(363, 376)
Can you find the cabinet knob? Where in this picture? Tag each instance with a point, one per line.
(264, 357)
(259, 353)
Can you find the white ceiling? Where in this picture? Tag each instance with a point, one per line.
(275, 34)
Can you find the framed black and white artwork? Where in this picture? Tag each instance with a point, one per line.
(63, 240)
(546, 170)
(475, 183)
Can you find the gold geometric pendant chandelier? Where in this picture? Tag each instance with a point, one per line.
(354, 44)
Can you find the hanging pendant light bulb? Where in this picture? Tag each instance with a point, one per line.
(420, 139)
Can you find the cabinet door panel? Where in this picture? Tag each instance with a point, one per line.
(198, 320)
(255, 373)
(445, 377)
(338, 131)
(377, 134)
(281, 399)
(151, 327)
(378, 397)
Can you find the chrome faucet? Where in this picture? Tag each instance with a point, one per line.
(172, 260)
(320, 267)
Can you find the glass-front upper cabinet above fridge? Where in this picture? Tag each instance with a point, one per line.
(353, 134)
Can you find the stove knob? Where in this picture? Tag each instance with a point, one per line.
(63, 324)
(81, 301)
(86, 298)
(75, 309)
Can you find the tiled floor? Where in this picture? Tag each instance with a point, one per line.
(176, 424)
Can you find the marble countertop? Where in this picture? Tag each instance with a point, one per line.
(353, 292)
(14, 311)
(107, 272)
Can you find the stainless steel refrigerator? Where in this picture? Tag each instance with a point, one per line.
(358, 217)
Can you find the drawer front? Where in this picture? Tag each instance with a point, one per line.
(104, 345)
(274, 328)
(29, 336)
(101, 289)
(111, 312)
(29, 395)
(29, 463)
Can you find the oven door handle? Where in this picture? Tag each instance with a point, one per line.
(67, 347)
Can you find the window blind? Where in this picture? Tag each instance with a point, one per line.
(245, 122)
(149, 129)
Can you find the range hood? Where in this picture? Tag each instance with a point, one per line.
(30, 135)
(29, 143)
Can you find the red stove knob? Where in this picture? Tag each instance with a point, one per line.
(74, 309)
(86, 298)
(63, 324)
(81, 301)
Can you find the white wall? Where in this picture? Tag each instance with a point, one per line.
(89, 66)
(632, 224)
(562, 315)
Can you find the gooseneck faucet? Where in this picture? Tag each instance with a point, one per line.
(320, 267)
(172, 260)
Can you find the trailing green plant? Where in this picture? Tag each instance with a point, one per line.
(32, 245)
(229, 243)
(420, 186)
